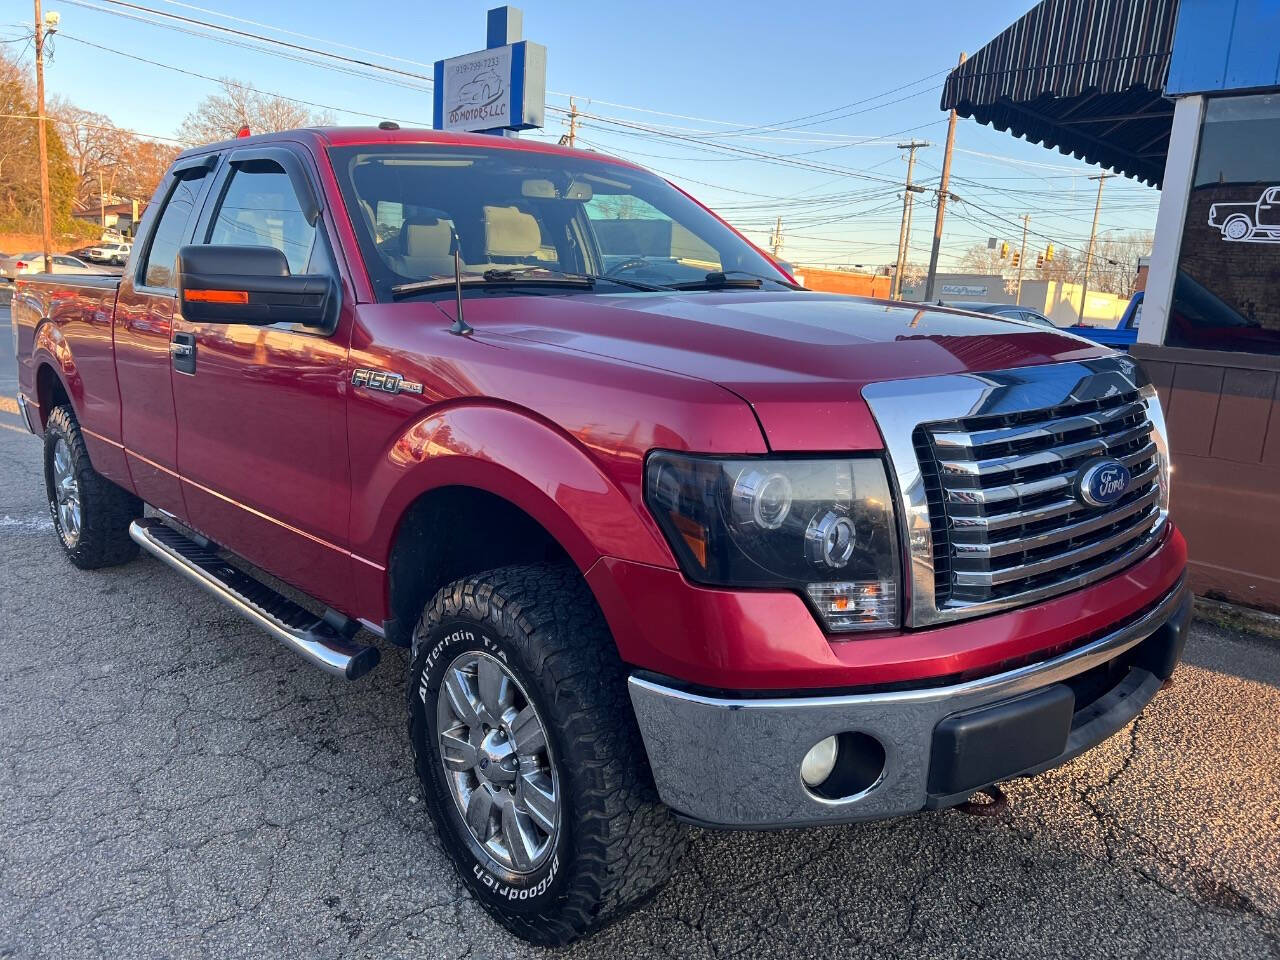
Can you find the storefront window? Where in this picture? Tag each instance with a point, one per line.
(1227, 292)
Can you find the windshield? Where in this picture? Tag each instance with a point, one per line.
(510, 210)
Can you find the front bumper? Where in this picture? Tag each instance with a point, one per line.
(736, 762)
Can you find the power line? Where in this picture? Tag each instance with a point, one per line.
(204, 76)
(254, 36)
(297, 58)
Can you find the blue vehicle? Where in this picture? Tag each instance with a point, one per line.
(1123, 335)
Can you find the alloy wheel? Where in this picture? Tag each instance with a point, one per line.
(498, 763)
(66, 493)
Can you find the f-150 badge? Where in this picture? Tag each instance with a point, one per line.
(381, 380)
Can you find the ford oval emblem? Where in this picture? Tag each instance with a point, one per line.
(1102, 482)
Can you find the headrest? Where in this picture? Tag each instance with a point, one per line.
(425, 237)
(510, 232)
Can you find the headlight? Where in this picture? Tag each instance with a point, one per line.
(822, 527)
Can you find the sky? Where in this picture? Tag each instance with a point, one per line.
(758, 109)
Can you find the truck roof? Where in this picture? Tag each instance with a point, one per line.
(323, 137)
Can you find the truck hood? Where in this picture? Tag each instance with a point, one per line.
(799, 359)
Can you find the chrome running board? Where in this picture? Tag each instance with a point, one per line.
(325, 642)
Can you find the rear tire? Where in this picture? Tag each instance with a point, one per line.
(1238, 228)
(605, 844)
(91, 515)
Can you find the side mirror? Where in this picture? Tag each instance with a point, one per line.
(252, 285)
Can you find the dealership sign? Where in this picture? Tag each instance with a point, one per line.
(964, 290)
(503, 88)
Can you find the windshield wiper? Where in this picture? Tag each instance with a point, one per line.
(519, 276)
(496, 278)
(720, 280)
(717, 280)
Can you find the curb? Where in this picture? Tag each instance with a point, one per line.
(1236, 617)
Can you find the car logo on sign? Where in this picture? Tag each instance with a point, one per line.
(1102, 482)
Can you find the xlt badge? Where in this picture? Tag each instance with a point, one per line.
(381, 380)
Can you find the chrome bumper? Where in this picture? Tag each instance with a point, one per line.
(736, 762)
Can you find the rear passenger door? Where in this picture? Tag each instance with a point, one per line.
(144, 318)
(261, 411)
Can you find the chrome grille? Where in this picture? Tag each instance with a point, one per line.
(1003, 511)
(984, 466)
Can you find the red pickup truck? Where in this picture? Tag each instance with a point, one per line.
(670, 539)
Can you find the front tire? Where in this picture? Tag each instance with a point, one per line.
(529, 756)
(91, 515)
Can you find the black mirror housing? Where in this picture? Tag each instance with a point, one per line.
(251, 285)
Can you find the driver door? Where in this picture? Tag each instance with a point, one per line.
(1269, 209)
(261, 410)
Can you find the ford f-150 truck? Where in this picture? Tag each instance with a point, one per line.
(670, 540)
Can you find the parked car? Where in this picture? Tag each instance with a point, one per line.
(1123, 335)
(1010, 311)
(668, 542)
(26, 263)
(110, 252)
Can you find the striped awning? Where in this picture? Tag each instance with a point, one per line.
(1084, 76)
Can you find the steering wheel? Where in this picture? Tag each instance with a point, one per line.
(633, 263)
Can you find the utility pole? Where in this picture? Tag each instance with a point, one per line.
(1093, 236)
(1022, 257)
(46, 207)
(568, 139)
(942, 202)
(776, 240)
(904, 234)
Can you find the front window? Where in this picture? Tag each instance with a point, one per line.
(505, 209)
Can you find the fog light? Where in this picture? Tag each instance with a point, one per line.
(819, 762)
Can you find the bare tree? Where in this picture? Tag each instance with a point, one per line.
(220, 116)
(95, 147)
(1115, 261)
(142, 164)
(979, 259)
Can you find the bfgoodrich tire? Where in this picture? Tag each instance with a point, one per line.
(530, 760)
(91, 515)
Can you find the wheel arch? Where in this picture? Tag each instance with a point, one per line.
(478, 487)
(51, 390)
(428, 551)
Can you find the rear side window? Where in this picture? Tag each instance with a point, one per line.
(171, 230)
(259, 208)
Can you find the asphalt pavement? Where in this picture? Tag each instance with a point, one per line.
(175, 784)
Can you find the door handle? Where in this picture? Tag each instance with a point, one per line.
(182, 350)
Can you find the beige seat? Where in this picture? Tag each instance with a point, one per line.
(424, 248)
(510, 234)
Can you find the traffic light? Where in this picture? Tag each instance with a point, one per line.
(1017, 257)
(1004, 249)
(1039, 261)
(1048, 253)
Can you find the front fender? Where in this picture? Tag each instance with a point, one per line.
(525, 460)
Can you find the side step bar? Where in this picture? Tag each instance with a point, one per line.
(322, 642)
